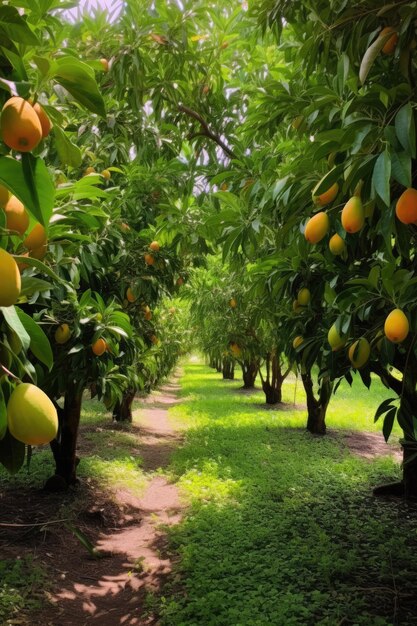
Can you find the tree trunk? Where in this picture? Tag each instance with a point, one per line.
(64, 448)
(410, 470)
(218, 365)
(122, 411)
(316, 408)
(406, 390)
(272, 396)
(272, 384)
(407, 487)
(228, 369)
(249, 372)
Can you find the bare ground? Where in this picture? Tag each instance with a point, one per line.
(127, 530)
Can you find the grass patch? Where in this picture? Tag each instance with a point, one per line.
(282, 528)
(22, 586)
(107, 451)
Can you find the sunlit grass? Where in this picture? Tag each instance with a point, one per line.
(112, 460)
(282, 527)
(351, 407)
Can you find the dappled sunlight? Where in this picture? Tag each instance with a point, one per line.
(115, 473)
(283, 528)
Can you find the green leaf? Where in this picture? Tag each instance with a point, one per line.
(43, 64)
(383, 408)
(371, 54)
(33, 187)
(405, 129)
(401, 168)
(16, 27)
(12, 453)
(78, 79)
(32, 284)
(3, 415)
(342, 71)
(117, 330)
(17, 63)
(41, 267)
(374, 276)
(39, 343)
(13, 321)
(366, 377)
(389, 423)
(381, 177)
(328, 180)
(69, 153)
(84, 540)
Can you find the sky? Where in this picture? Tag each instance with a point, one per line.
(113, 7)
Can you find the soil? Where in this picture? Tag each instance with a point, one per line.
(367, 445)
(281, 406)
(128, 532)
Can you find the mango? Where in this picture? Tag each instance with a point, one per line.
(326, 197)
(363, 351)
(406, 207)
(337, 245)
(396, 327)
(31, 416)
(317, 227)
(335, 340)
(353, 215)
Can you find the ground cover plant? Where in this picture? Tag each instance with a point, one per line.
(282, 527)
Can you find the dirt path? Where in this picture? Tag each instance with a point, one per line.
(115, 590)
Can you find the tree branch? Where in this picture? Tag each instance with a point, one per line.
(392, 382)
(207, 132)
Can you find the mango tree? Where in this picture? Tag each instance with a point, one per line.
(358, 126)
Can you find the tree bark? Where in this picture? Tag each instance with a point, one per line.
(122, 411)
(316, 407)
(228, 369)
(64, 448)
(406, 390)
(407, 487)
(272, 396)
(410, 470)
(272, 384)
(249, 373)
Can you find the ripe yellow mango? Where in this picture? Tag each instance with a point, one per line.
(297, 341)
(337, 245)
(10, 283)
(31, 416)
(406, 207)
(396, 327)
(317, 227)
(326, 197)
(353, 215)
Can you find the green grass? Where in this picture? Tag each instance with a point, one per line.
(113, 462)
(350, 407)
(22, 583)
(282, 528)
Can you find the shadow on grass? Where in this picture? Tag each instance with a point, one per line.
(283, 529)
